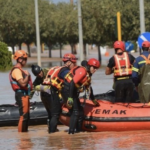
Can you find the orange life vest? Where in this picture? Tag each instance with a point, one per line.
(146, 59)
(16, 86)
(48, 76)
(83, 84)
(55, 80)
(123, 66)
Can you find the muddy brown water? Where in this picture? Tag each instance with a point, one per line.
(38, 138)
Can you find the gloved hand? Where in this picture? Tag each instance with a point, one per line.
(69, 103)
(95, 102)
(37, 88)
(46, 81)
(43, 88)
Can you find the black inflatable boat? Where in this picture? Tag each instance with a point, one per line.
(9, 114)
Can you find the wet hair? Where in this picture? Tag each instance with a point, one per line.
(84, 63)
(145, 48)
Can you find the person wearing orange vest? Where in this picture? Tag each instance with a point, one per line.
(121, 65)
(140, 73)
(22, 85)
(56, 83)
(76, 81)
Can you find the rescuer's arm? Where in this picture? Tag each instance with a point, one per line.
(17, 75)
(79, 75)
(109, 69)
(95, 102)
(135, 76)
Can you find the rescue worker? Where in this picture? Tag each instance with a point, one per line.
(140, 73)
(56, 82)
(38, 82)
(121, 65)
(77, 80)
(22, 85)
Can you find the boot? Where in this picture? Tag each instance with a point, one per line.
(48, 125)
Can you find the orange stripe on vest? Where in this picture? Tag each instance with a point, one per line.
(122, 65)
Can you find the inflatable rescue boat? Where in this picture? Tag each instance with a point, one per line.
(9, 114)
(111, 116)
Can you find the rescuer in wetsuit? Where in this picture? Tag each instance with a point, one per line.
(56, 82)
(45, 96)
(22, 85)
(121, 65)
(76, 81)
(140, 73)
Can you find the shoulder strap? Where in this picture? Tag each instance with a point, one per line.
(75, 69)
(146, 59)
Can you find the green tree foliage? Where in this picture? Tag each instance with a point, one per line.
(5, 55)
(59, 22)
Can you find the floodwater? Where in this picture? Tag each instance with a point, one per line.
(38, 138)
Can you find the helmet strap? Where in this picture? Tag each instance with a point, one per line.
(20, 62)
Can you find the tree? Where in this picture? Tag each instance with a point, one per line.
(5, 55)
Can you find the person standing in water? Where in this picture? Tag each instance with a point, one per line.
(22, 85)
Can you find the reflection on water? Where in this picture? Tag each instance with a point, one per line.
(38, 138)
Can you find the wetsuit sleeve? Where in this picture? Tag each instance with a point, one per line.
(36, 82)
(135, 70)
(91, 95)
(80, 73)
(111, 62)
(131, 58)
(71, 89)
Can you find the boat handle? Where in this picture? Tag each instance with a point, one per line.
(3, 110)
(32, 107)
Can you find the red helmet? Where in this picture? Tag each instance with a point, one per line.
(146, 44)
(120, 45)
(20, 54)
(69, 57)
(94, 62)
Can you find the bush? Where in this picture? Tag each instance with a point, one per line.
(5, 57)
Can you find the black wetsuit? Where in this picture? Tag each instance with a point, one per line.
(55, 102)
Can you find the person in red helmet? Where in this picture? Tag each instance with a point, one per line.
(21, 83)
(140, 73)
(121, 65)
(56, 83)
(76, 81)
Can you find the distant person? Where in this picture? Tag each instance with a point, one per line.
(141, 73)
(121, 65)
(22, 85)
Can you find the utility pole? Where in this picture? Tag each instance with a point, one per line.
(37, 33)
(71, 2)
(80, 30)
(142, 18)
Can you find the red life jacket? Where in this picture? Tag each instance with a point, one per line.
(48, 76)
(55, 80)
(16, 86)
(122, 65)
(84, 83)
